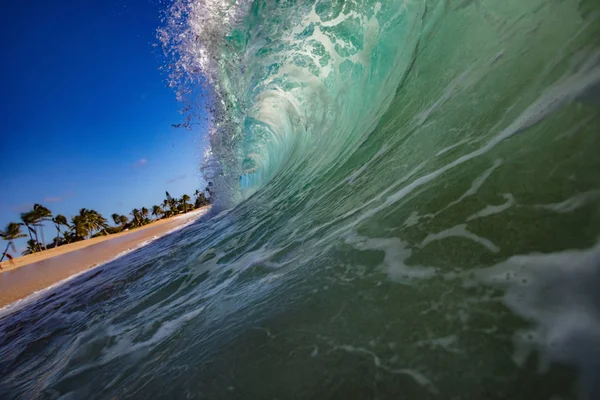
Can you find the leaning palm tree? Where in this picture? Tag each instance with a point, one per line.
(96, 221)
(10, 234)
(80, 227)
(167, 212)
(28, 219)
(115, 218)
(41, 214)
(144, 213)
(59, 220)
(157, 211)
(184, 201)
(80, 224)
(34, 219)
(87, 222)
(172, 203)
(137, 217)
(123, 220)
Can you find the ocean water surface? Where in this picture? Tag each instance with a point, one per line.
(407, 207)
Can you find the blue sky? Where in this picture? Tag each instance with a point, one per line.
(86, 114)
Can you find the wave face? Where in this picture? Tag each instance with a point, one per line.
(411, 196)
(296, 88)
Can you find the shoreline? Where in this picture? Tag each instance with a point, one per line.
(31, 275)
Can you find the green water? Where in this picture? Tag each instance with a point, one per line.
(410, 196)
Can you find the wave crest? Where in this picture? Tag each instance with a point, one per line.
(294, 93)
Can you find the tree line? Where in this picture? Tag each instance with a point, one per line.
(90, 223)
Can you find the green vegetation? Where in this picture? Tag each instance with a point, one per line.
(90, 223)
(12, 232)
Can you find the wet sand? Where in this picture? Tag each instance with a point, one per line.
(35, 272)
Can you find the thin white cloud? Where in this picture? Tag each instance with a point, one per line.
(140, 163)
(175, 179)
(53, 199)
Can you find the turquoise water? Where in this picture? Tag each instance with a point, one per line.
(408, 207)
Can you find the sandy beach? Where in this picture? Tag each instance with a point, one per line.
(34, 272)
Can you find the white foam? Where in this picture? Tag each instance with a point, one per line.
(491, 209)
(477, 183)
(417, 376)
(560, 294)
(395, 252)
(19, 304)
(573, 203)
(125, 344)
(460, 231)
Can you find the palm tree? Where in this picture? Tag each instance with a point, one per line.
(59, 220)
(172, 203)
(31, 247)
(34, 219)
(87, 222)
(69, 237)
(120, 220)
(79, 226)
(136, 217)
(166, 209)
(157, 211)
(28, 219)
(123, 220)
(11, 233)
(97, 221)
(201, 199)
(144, 213)
(184, 199)
(41, 214)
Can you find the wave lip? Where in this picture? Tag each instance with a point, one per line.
(288, 99)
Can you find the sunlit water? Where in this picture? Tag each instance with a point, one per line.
(412, 196)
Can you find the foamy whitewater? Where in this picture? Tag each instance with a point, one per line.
(407, 207)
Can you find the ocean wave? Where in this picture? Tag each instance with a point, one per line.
(290, 99)
(379, 167)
